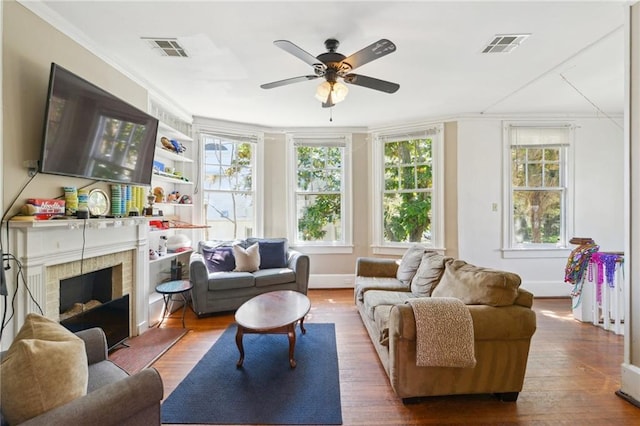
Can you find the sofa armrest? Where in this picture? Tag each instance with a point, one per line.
(95, 343)
(111, 404)
(376, 267)
(199, 277)
(489, 322)
(299, 263)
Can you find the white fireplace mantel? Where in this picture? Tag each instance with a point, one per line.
(41, 244)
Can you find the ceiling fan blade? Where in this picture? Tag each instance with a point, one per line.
(296, 51)
(376, 50)
(371, 83)
(288, 81)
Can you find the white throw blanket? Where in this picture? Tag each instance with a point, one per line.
(444, 332)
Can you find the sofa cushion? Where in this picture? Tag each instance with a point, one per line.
(45, 367)
(219, 259)
(428, 274)
(381, 317)
(274, 276)
(409, 263)
(273, 252)
(230, 280)
(247, 260)
(104, 373)
(364, 284)
(475, 285)
(374, 298)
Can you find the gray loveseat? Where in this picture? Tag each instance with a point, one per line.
(219, 287)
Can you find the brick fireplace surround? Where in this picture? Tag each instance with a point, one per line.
(57, 249)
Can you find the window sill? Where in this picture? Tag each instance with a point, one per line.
(323, 249)
(399, 250)
(536, 253)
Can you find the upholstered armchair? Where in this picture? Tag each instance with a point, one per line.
(113, 397)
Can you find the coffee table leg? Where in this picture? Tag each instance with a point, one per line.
(239, 334)
(292, 344)
(302, 326)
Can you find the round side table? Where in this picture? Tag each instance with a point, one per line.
(168, 289)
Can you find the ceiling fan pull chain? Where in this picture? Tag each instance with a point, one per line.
(331, 114)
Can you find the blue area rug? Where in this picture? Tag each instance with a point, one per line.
(266, 390)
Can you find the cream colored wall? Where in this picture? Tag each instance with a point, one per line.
(275, 184)
(451, 188)
(29, 46)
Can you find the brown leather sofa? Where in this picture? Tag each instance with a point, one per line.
(501, 334)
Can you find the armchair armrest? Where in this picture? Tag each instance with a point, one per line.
(376, 267)
(95, 343)
(199, 277)
(112, 404)
(299, 263)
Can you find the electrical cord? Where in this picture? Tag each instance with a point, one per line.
(19, 277)
(6, 212)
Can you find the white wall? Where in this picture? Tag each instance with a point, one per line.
(599, 202)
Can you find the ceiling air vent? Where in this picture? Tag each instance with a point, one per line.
(167, 46)
(504, 43)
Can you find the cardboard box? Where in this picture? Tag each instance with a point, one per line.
(45, 207)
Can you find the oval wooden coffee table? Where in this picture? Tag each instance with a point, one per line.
(276, 312)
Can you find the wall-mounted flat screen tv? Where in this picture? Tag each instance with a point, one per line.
(92, 134)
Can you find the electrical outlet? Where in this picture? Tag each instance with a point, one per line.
(31, 166)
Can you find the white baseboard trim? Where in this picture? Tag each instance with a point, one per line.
(319, 281)
(547, 288)
(630, 381)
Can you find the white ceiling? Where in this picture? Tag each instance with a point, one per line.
(572, 62)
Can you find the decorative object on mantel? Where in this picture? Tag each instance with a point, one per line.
(98, 203)
(43, 208)
(71, 200)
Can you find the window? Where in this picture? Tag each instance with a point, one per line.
(320, 182)
(538, 186)
(408, 200)
(228, 186)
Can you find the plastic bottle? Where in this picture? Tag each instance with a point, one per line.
(162, 249)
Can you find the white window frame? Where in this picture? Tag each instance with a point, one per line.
(509, 250)
(321, 139)
(205, 126)
(436, 133)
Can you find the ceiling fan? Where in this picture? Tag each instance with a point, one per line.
(333, 65)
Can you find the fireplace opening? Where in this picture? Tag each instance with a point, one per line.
(84, 292)
(87, 301)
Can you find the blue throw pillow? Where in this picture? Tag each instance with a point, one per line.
(273, 252)
(219, 259)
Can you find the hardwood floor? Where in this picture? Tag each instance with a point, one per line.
(572, 373)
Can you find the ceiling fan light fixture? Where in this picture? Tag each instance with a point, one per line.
(339, 92)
